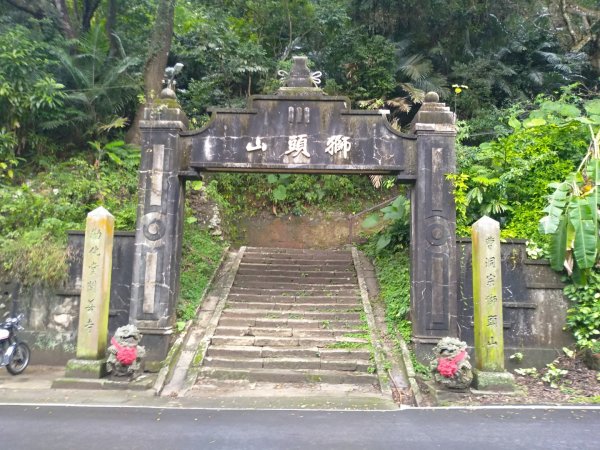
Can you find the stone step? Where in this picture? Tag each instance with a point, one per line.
(278, 272)
(286, 332)
(293, 323)
(299, 262)
(254, 283)
(294, 251)
(294, 298)
(295, 255)
(306, 363)
(275, 341)
(296, 307)
(314, 266)
(251, 352)
(295, 279)
(280, 314)
(331, 291)
(290, 376)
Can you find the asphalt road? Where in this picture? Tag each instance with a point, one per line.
(69, 427)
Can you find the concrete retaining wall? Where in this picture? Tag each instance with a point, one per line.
(534, 304)
(52, 314)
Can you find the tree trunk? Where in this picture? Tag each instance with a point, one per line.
(116, 48)
(595, 54)
(156, 61)
(64, 20)
(89, 8)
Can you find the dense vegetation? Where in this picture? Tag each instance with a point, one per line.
(522, 76)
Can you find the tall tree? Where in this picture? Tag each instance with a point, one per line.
(578, 24)
(159, 46)
(72, 18)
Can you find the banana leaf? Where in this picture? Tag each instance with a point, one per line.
(585, 247)
(593, 171)
(555, 208)
(558, 245)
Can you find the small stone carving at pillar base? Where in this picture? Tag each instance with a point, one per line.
(125, 356)
(451, 367)
(493, 381)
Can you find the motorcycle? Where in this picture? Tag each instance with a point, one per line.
(14, 353)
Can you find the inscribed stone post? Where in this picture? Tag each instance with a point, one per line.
(487, 310)
(92, 334)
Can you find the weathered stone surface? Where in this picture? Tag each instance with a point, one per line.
(86, 368)
(315, 133)
(450, 365)
(534, 306)
(493, 381)
(487, 296)
(155, 283)
(433, 231)
(92, 334)
(125, 355)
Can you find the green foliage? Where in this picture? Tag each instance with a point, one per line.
(583, 317)
(200, 256)
(572, 217)
(506, 178)
(395, 222)
(29, 96)
(100, 87)
(284, 193)
(35, 215)
(553, 375)
(393, 274)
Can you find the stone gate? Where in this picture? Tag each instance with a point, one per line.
(298, 130)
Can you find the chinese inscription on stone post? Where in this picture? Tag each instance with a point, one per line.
(95, 286)
(487, 296)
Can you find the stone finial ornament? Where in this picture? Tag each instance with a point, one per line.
(124, 354)
(169, 80)
(300, 76)
(451, 367)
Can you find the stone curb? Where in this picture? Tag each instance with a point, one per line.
(166, 372)
(410, 372)
(377, 346)
(200, 353)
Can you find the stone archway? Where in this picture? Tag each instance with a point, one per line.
(298, 130)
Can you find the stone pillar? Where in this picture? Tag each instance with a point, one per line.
(487, 307)
(155, 282)
(92, 334)
(434, 272)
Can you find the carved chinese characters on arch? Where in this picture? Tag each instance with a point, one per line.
(337, 144)
(305, 134)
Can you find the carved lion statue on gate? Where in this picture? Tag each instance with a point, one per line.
(125, 356)
(451, 367)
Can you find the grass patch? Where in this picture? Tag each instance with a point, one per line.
(348, 345)
(200, 255)
(393, 274)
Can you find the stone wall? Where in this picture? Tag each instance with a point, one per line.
(51, 315)
(534, 307)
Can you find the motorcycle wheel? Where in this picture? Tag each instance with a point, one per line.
(20, 359)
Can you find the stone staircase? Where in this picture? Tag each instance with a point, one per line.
(292, 316)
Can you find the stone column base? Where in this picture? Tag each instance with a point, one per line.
(86, 368)
(157, 342)
(493, 381)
